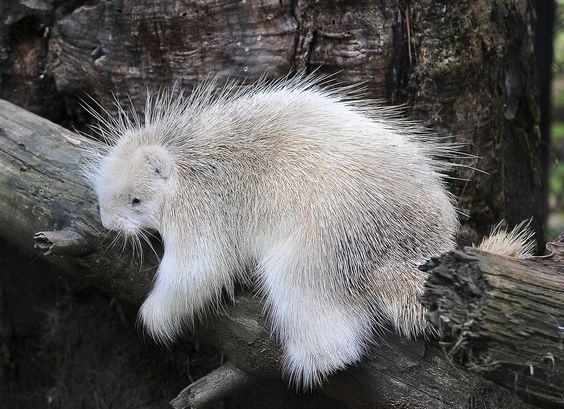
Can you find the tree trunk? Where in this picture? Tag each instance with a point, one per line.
(544, 57)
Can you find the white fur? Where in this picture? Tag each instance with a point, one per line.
(515, 243)
(328, 204)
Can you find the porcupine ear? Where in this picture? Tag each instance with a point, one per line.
(159, 161)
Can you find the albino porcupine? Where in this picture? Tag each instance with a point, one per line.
(327, 203)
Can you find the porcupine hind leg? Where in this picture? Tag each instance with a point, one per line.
(320, 332)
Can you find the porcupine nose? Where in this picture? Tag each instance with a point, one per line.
(107, 221)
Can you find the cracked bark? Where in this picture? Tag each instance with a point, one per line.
(503, 318)
(304, 12)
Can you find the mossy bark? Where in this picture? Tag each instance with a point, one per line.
(473, 76)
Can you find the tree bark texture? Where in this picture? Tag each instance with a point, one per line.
(41, 189)
(464, 68)
(505, 318)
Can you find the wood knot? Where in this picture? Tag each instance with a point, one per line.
(66, 242)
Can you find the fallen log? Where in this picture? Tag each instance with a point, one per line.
(41, 190)
(505, 318)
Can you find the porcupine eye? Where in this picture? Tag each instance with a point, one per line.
(135, 201)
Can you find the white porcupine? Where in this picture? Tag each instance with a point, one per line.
(326, 203)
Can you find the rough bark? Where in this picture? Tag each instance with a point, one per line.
(473, 76)
(505, 318)
(464, 68)
(35, 154)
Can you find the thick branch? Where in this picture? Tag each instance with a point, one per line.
(505, 318)
(41, 190)
(213, 387)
